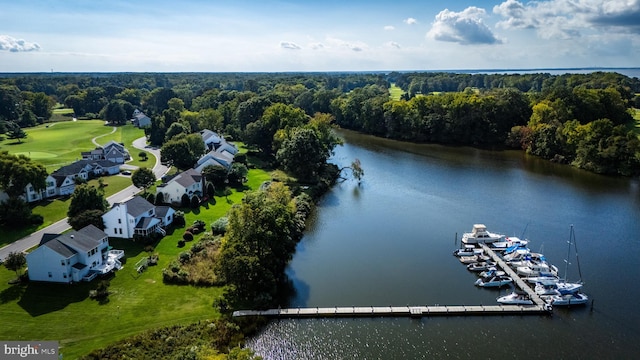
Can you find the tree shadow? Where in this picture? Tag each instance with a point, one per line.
(43, 298)
(12, 293)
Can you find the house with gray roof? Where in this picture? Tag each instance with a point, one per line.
(136, 216)
(72, 257)
(190, 182)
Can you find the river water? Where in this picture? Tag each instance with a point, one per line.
(389, 242)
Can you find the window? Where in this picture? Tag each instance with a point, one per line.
(50, 275)
(119, 221)
(62, 262)
(64, 275)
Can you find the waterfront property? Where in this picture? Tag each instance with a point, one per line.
(78, 255)
(137, 216)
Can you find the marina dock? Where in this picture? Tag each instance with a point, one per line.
(539, 307)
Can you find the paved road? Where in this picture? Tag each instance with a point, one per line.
(59, 227)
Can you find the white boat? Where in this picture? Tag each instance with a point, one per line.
(507, 243)
(557, 288)
(496, 281)
(566, 300)
(491, 272)
(521, 259)
(468, 250)
(515, 299)
(537, 269)
(469, 259)
(544, 279)
(481, 266)
(479, 234)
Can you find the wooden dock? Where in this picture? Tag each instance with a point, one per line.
(539, 307)
(517, 280)
(396, 311)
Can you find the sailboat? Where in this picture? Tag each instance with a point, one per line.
(562, 287)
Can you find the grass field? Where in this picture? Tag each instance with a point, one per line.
(61, 114)
(137, 302)
(395, 92)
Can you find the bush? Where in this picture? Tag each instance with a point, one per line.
(185, 200)
(151, 198)
(184, 257)
(181, 243)
(195, 202)
(187, 236)
(159, 198)
(219, 227)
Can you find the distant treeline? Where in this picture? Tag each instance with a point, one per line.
(581, 119)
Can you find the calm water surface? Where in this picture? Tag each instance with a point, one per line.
(389, 242)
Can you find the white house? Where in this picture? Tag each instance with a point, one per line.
(72, 257)
(136, 216)
(31, 195)
(66, 175)
(190, 182)
(140, 119)
(214, 158)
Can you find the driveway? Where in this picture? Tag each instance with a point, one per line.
(59, 227)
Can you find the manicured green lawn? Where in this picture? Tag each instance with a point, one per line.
(57, 144)
(395, 92)
(137, 302)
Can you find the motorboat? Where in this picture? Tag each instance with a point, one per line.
(468, 250)
(479, 234)
(545, 279)
(557, 288)
(537, 269)
(566, 300)
(515, 253)
(469, 259)
(495, 281)
(521, 259)
(507, 243)
(515, 299)
(491, 272)
(481, 266)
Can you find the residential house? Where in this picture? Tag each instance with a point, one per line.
(65, 176)
(50, 190)
(112, 151)
(136, 216)
(190, 182)
(214, 158)
(140, 119)
(72, 257)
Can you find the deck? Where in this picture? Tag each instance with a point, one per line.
(539, 307)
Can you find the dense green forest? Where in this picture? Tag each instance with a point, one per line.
(579, 119)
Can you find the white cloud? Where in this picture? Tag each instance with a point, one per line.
(465, 27)
(289, 45)
(356, 46)
(9, 43)
(565, 19)
(389, 28)
(410, 21)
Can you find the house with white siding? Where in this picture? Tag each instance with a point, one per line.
(190, 182)
(136, 216)
(72, 257)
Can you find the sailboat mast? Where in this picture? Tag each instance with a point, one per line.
(577, 258)
(566, 261)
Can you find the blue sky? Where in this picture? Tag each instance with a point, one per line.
(347, 35)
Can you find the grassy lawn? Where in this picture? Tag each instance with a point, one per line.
(137, 302)
(61, 114)
(395, 92)
(57, 144)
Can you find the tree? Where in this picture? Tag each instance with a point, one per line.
(302, 154)
(87, 217)
(15, 212)
(238, 173)
(15, 132)
(143, 178)
(179, 153)
(86, 197)
(18, 171)
(217, 175)
(115, 113)
(15, 261)
(143, 155)
(356, 169)
(175, 129)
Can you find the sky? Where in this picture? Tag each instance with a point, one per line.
(328, 35)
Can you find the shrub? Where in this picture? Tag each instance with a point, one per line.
(184, 256)
(187, 236)
(151, 198)
(185, 200)
(195, 202)
(181, 243)
(219, 227)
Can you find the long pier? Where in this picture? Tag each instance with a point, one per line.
(516, 278)
(539, 306)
